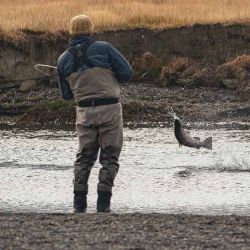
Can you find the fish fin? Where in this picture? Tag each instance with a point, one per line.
(197, 138)
(208, 143)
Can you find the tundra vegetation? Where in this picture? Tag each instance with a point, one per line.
(183, 71)
(54, 15)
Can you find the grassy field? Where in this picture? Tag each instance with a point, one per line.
(54, 15)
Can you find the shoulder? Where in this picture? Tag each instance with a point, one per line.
(102, 44)
(99, 47)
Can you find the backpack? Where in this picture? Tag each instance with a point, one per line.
(79, 53)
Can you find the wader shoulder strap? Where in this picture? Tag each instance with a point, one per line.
(80, 54)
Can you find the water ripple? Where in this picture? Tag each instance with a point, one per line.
(156, 175)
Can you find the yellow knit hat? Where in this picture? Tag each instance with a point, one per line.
(81, 25)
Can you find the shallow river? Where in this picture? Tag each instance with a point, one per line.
(156, 175)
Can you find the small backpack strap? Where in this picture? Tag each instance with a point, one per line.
(80, 53)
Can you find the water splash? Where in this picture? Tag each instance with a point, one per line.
(232, 163)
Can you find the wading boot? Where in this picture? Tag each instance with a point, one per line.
(103, 202)
(80, 202)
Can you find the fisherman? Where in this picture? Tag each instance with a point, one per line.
(90, 72)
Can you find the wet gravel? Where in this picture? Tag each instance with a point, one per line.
(126, 231)
(142, 104)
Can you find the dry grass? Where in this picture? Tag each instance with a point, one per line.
(175, 68)
(54, 15)
(235, 69)
(147, 67)
(179, 65)
(242, 62)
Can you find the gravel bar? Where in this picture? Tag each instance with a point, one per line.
(123, 231)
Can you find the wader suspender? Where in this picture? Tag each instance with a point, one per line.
(80, 54)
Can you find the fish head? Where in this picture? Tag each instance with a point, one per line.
(178, 122)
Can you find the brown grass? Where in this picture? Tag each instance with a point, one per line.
(147, 67)
(242, 62)
(54, 15)
(179, 64)
(234, 69)
(174, 69)
(238, 69)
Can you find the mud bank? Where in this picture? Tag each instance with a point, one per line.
(213, 44)
(127, 231)
(143, 105)
(185, 57)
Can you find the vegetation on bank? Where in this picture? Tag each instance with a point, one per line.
(182, 71)
(54, 15)
(154, 89)
(55, 111)
(62, 112)
(144, 105)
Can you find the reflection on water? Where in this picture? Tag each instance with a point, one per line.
(156, 175)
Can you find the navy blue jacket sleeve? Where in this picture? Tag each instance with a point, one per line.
(120, 65)
(63, 72)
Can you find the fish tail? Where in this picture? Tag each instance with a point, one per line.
(208, 143)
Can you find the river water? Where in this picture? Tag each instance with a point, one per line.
(156, 175)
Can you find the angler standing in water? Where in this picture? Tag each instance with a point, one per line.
(90, 72)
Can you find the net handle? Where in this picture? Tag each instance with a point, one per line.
(39, 66)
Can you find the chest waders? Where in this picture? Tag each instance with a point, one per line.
(99, 126)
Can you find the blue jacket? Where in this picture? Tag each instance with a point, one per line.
(100, 54)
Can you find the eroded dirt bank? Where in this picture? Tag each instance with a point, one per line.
(127, 231)
(213, 44)
(202, 71)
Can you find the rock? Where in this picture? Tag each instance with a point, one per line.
(231, 83)
(27, 86)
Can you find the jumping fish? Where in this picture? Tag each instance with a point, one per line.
(187, 140)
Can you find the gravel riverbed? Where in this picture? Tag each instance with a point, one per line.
(123, 231)
(142, 104)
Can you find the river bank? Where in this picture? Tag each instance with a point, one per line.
(143, 105)
(123, 231)
(186, 68)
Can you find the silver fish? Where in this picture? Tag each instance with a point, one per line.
(185, 139)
